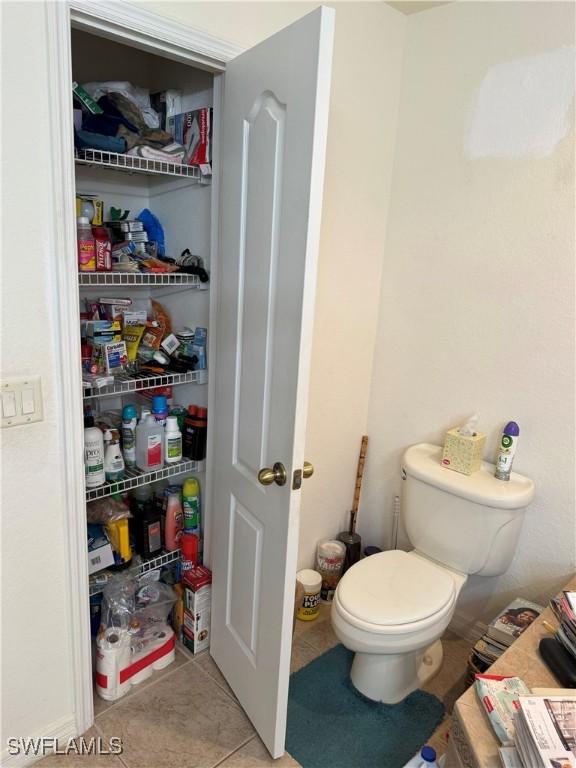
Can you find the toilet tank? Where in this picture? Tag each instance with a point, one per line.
(470, 523)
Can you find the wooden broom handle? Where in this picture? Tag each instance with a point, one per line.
(359, 474)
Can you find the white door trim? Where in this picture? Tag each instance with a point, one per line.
(127, 23)
(120, 21)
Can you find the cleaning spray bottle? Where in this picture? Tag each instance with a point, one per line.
(113, 461)
(506, 451)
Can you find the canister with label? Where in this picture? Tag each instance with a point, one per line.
(310, 605)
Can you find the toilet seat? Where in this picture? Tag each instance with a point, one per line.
(395, 592)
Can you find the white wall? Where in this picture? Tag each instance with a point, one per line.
(477, 309)
(361, 135)
(36, 686)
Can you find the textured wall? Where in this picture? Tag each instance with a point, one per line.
(477, 307)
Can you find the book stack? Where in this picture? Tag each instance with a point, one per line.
(564, 608)
(501, 633)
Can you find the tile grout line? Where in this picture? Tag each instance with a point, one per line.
(230, 694)
(234, 751)
(103, 736)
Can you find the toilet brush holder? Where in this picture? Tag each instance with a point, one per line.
(353, 544)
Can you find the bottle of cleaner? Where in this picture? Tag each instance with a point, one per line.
(146, 522)
(191, 505)
(113, 461)
(129, 422)
(160, 409)
(507, 450)
(426, 758)
(173, 522)
(149, 444)
(86, 245)
(173, 437)
(202, 419)
(189, 433)
(93, 453)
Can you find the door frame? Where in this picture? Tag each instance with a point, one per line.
(122, 22)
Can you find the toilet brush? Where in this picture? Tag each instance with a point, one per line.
(350, 538)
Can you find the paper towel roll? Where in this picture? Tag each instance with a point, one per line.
(112, 654)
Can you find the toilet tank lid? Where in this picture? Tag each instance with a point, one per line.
(424, 462)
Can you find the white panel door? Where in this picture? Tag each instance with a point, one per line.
(274, 138)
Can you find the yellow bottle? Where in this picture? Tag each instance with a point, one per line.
(117, 531)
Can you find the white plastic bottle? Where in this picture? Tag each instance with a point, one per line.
(426, 758)
(113, 461)
(149, 444)
(93, 454)
(173, 441)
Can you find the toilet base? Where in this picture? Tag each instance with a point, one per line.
(390, 677)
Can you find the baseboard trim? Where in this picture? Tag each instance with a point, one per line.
(63, 729)
(466, 627)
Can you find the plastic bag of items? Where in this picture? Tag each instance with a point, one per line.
(134, 637)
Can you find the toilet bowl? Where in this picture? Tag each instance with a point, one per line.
(391, 609)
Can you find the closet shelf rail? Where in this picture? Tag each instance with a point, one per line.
(97, 158)
(135, 478)
(140, 278)
(166, 558)
(141, 382)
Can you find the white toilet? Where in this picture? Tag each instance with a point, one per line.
(392, 608)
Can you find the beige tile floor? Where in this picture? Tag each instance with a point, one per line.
(187, 716)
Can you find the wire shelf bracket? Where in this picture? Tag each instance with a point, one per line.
(135, 478)
(97, 158)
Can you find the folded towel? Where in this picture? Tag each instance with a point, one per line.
(172, 153)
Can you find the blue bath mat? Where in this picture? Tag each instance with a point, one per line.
(331, 725)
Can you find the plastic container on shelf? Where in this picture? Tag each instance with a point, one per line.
(86, 245)
(189, 432)
(173, 441)
(149, 444)
(93, 453)
(174, 518)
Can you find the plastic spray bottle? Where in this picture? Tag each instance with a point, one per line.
(507, 449)
(113, 461)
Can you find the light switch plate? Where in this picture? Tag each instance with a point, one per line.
(21, 400)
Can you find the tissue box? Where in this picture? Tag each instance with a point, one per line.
(463, 453)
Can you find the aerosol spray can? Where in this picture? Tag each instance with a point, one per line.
(507, 450)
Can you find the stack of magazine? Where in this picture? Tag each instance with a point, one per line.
(564, 608)
(502, 632)
(545, 732)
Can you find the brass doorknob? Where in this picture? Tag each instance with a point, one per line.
(308, 470)
(276, 475)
